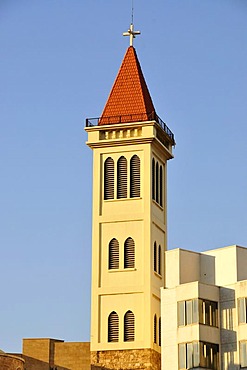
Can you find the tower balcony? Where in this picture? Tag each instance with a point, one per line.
(128, 118)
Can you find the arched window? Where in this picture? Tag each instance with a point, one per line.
(160, 331)
(134, 176)
(155, 329)
(157, 182)
(161, 186)
(155, 256)
(129, 327)
(109, 178)
(129, 253)
(113, 254)
(122, 178)
(153, 179)
(159, 260)
(113, 327)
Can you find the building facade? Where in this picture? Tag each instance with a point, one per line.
(204, 309)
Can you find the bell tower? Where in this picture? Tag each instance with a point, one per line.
(131, 146)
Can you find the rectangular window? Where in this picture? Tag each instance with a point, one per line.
(181, 313)
(198, 354)
(243, 353)
(197, 310)
(208, 312)
(242, 308)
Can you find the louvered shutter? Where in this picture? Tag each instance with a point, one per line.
(109, 179)
(161, 186)
(113, 327)
(157, 182)
(153, 179)
(122, 178)
(135, 176)
(155, 257)
(160, 331)
(155, 329)
(129, 253)
(129, 327)
(113, 254)
(159, 260)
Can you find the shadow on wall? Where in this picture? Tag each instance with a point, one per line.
(228, 336)
(34, 364)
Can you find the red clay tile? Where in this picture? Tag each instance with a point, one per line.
(129, 99)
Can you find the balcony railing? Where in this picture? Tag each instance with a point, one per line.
(140, 117)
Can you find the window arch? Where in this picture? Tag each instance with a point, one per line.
(129, 253)
(129, 327)
(109, 178)
(161, 186)
(122, 178)
(113, 262)
(157, 182)
(160, 331)
(113, 327)
(155, 257)
(155, 328)
(153, 179)
(135, 176)
(159, 260)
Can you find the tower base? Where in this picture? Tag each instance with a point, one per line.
(145, 359)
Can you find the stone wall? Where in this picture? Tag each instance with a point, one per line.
(126, 360)
(8, 362)
(72, 356)
(53, 354)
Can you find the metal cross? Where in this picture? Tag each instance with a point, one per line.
(131, 33)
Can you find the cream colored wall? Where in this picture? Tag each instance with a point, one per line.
(225, 265)
(135, 289)
(172, 335)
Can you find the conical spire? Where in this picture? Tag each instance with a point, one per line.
(129, 99)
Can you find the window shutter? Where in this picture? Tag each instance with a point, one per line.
(109, 179)
(159, 260)
(113, 254)
(155, 257)
(129, 327)
(160, 331)
(153, 179)
(161, 186)
(113, 327)
(135, 176)
(157, 182)
(122, 178)
(155, 329)
(129, 253)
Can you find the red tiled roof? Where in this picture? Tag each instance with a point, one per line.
(129, 94)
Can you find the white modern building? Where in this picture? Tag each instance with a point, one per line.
(204, 309)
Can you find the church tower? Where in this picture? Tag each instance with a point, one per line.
(131, 146)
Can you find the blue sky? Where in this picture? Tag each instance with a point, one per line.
(58, 61)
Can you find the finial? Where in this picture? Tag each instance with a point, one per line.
(131, 33)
